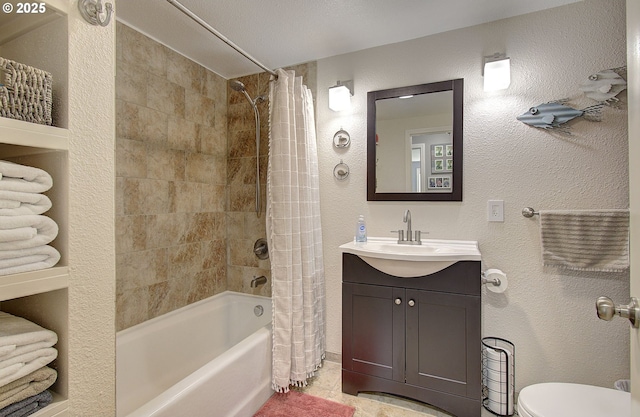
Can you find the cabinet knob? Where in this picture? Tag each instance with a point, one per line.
(398, 301)
(411, 303)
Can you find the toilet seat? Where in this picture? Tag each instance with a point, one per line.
(555, 399)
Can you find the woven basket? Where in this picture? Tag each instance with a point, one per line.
(25, 92)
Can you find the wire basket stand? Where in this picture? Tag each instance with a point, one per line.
(498, 375)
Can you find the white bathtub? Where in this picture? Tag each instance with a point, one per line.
(209, 358)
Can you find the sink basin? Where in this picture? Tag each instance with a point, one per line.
(386, 255)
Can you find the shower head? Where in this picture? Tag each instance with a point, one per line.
(237, 85)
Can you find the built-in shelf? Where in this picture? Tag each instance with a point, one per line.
(28, 283)
(14, 24)
(31, 135)
(58, 408)
(41, 40)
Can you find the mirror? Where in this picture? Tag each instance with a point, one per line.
(414, 143)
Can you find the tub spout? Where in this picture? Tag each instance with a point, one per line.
(257, 281)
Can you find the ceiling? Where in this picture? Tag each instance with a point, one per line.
(281, 33)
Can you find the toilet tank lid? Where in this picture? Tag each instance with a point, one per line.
(555, 399)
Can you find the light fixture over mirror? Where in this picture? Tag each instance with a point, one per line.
(340, 95)
(414, 143)
(497, 72)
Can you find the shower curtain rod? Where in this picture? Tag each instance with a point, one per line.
(219, 35)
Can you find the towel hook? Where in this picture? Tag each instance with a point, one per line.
(341, 171)
(529, 212)
(91, 10)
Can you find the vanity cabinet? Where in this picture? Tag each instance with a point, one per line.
(417, 337)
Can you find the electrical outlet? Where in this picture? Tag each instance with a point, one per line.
(495, 210)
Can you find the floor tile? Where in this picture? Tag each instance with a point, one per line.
(327, 384)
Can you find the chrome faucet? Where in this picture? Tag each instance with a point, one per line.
(256, 281)
(407, 220)
(410, 240)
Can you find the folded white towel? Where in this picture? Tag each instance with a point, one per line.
(585, 240)
(16, 177)
(16, 203)
(25, 347)
(29, 259)
(18, 366)
(19, 336)
(28, 231)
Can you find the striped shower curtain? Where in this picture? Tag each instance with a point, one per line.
(294, 234)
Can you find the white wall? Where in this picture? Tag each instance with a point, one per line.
(549, 316)
(91, 217)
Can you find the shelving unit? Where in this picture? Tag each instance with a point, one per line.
(41, 40)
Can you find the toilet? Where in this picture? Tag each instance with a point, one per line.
(554, 399)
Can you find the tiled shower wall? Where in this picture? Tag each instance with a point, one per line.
(171, 149)
(186, 221)
(244, 227)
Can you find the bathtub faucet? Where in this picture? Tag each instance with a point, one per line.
(257, 281)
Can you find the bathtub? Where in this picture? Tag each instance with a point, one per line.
(211, 358)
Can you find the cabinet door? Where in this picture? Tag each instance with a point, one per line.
(443, 342)
(373, 330)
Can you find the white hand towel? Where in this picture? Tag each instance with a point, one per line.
(16, 177)
(15, 203)
(22, 336)
(29, 231)
(29, 259)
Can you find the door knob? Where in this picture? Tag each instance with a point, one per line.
(398, 301)
(411, 303)
(606, 309)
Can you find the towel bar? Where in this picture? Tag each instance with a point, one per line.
(529, 212)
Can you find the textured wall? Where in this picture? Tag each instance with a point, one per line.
(91, 213)
(171, 166)
(549, 315)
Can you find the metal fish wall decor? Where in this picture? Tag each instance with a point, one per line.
(605, 85)
(555, 114)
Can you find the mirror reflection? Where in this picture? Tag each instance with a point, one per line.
(412, 134)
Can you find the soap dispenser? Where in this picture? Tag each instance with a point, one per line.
(361, 230)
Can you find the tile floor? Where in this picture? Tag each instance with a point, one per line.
(327, 384)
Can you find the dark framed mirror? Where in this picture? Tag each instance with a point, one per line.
(414, 142)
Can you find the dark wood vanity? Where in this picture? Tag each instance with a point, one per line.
(417, 337)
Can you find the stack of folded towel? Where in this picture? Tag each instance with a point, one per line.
(25, 350)
(24, 231)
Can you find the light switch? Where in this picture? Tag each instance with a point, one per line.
(495, 210)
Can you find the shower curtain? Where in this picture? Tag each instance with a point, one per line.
(294, 234)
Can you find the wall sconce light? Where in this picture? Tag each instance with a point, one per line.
(340, 95)
(497, 72)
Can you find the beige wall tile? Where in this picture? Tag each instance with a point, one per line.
(145, 196)
(184, 72)
(165, 230)
(132, 83)
(136, 48)
(199, 108)
(165, 164)
(185, 197)
(131, 160)
(182, 134)
(131, 233)
(165, 96)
